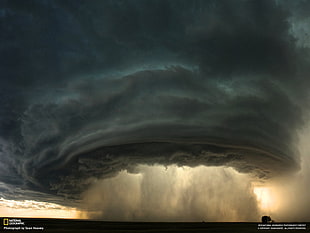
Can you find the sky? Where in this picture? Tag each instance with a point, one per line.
(155, 110)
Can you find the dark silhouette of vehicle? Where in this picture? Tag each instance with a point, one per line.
(266, 219)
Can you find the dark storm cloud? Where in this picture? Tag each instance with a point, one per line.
(91, 88)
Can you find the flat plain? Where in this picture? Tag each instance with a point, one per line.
(73, 225)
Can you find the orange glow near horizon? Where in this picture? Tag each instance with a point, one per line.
(35, 209)
(266, 198)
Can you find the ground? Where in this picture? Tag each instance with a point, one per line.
(66, 225)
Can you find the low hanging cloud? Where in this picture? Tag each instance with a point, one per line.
(89, 89)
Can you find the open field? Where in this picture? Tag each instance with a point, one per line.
(68, 225)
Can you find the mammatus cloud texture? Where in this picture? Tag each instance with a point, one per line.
(91, 88)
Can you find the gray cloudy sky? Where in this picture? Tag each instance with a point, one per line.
(90, 88)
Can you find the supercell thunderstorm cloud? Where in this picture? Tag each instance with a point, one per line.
(155, 110)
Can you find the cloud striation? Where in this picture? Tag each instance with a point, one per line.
(89, 89)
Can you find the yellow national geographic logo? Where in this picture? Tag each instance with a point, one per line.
(5, 221)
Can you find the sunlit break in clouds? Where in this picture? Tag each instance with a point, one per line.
(265, 198)
(29, 208)
(155, 110)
